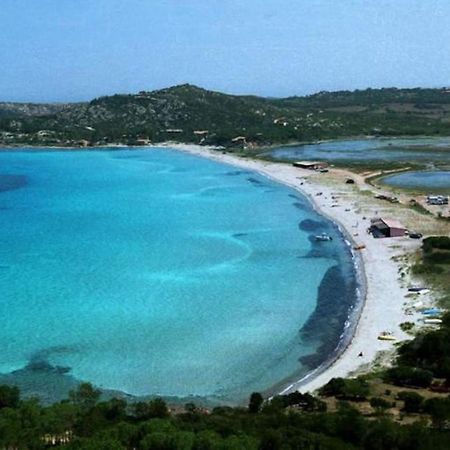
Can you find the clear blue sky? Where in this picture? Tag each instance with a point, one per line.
(68, 50)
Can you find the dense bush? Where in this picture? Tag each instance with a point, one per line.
(412, 401)
(379, 403)
(355, 389)
(409, 376)
(430, 351)
(436, 242)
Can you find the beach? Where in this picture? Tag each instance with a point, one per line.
(383, 262)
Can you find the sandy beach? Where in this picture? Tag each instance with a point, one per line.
(384, 261)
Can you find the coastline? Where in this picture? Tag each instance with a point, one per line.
(382, 297)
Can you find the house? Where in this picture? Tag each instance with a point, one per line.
(311, 165)
(84, 143)
(142, 141)
(380, 227)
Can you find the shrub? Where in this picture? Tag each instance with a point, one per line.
(378, 402)
(355, 389)
(9, 396)
(432, 242)
(409, 376)
(412, 401)
(407, 326)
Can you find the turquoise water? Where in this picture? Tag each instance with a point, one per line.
(157, 272)
(438, 180)
(420, 149)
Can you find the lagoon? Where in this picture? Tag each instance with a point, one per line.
(432, 181)
(421, 150)
(156, 272)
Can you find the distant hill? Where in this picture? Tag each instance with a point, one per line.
(188, 113)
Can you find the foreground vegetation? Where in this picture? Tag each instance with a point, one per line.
(290, 422)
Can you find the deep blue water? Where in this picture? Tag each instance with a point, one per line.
(156, 272)
(420, 149)
(437, 180)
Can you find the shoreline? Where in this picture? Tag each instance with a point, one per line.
(382, 296)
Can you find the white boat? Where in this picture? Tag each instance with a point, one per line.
(433, 321)
(323, 237)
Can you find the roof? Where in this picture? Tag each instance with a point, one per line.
(391, 223)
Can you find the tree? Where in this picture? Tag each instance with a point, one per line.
(155, 408)
(409, 376)
(86, 396)
(439, 409)
(9, 396)
(255, 403)
(412, 401)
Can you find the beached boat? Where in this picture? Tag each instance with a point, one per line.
(323, 237)
(417, 289)
(432, 312)
(433, 321)
(387, 336)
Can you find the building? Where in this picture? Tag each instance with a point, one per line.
(311, 165)
(380, 227)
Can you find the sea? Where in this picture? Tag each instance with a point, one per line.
(155, 272)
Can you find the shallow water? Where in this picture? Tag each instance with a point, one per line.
(438, 181)
(157, 272)
(420, 149)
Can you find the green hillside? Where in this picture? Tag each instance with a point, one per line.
(190, 114)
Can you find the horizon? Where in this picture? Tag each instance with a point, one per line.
(65, 52)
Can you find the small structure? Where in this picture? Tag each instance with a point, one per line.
(84, 143)
(142, 141)
(380, 227)
(240, 141)
(311, 165)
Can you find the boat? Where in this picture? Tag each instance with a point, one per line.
(432, 312)
(386, 336)
(416, 289)
(323, 237)
(433, 321)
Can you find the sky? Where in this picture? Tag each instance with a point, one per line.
(76, 50)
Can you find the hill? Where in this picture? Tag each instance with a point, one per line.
(188, 113)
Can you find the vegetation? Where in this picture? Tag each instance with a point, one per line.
(434, 264)
(85, 422)
(190, 114)
(346, 389)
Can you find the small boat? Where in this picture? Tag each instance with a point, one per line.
(432, 312)
(416, 289)
(386, 336)
(433, 321)
(323, 237)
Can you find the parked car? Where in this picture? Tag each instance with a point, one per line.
(416, 235)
